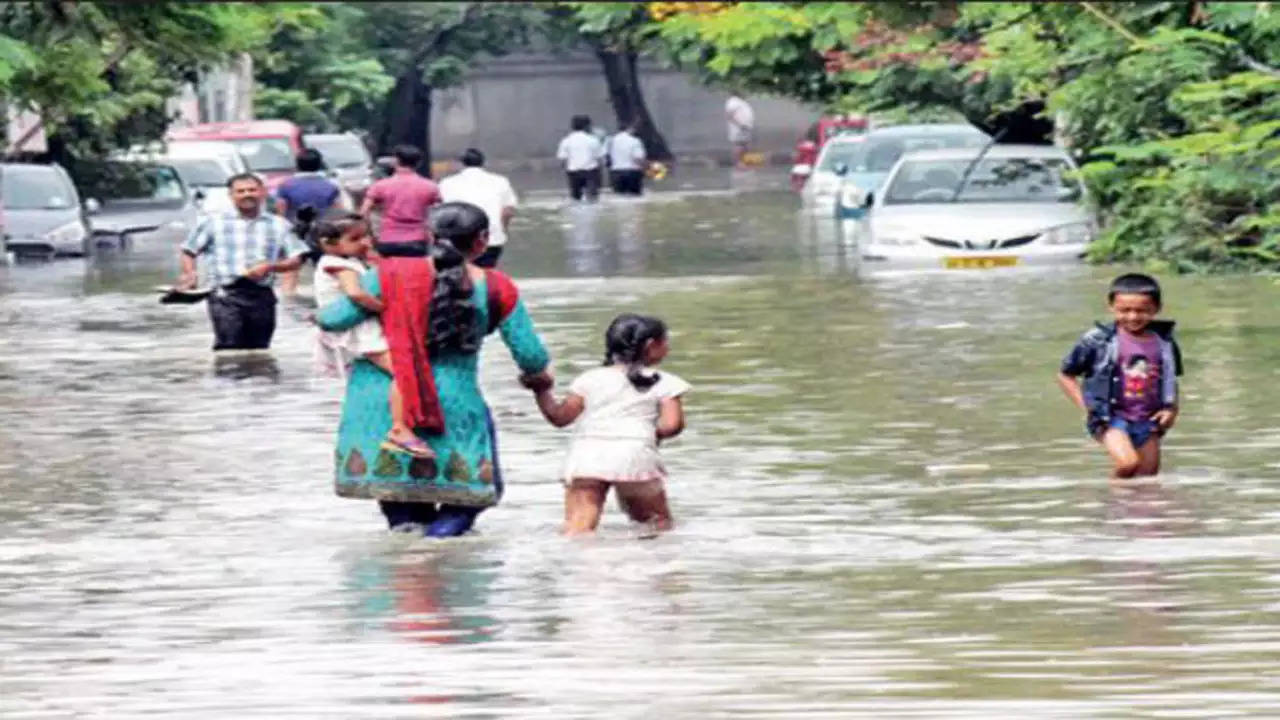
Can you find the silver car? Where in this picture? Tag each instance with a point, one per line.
(138, 202)
(347, 160)
(43, 214)
(967, 208)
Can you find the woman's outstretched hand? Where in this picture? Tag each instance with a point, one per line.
(538, 382)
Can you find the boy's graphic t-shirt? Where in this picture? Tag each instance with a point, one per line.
(1140, 376)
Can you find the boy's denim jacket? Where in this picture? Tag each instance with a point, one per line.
(1096, 357)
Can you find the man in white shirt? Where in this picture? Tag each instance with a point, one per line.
(627, 161)
(490, 192)
(581, 152)
(741, 120)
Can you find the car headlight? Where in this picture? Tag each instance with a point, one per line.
(69, 234)
(1073, 234)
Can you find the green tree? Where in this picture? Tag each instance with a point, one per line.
(425, 46)
(103, 71)
(320, 73)
(618, 33)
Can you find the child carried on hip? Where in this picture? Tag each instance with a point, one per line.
(345, 241)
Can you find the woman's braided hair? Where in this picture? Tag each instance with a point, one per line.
(454, 325)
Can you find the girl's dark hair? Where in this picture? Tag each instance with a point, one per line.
(1135, 284)
(334, 224)
(454, 319)
(624, 344)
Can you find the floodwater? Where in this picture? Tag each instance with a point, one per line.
(885, 507)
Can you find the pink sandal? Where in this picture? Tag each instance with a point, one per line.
(415, 447)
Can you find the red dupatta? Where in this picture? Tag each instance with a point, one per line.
(407, 284)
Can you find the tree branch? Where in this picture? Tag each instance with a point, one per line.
(1258, 66)
(1111, 22)
(426, 50)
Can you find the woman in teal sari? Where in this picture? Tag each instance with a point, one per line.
(437, 312)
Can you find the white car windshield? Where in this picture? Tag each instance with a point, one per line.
(992, 180)
(878, 154)
(264, 154)
(203, 173)
(340, 152)
(837, 153)
(35, 188)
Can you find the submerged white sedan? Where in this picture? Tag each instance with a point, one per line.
(968, 209)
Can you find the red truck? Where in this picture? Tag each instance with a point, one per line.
(268, 146)
(810, 144)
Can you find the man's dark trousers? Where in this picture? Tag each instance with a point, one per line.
(243, 315)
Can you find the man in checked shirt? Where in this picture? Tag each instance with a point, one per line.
(248, 246)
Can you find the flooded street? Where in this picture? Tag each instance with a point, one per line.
(885, 508)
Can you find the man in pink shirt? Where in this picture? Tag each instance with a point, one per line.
(403, 200)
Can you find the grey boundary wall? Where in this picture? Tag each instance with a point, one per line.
(517, 107)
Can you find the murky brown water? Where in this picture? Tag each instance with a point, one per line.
(885, 507)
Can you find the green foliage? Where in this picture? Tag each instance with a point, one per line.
(318, 73)
(335, 70)
(1205, 199)
(15, 56)
(98, 74)
(1172, 105)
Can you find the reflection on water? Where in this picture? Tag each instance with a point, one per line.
(885, 508)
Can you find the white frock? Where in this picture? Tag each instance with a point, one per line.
(335, 351)
(615, 438)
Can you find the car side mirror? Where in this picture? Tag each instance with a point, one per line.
(842, 169)
(92, 206)
(198, 195)
(870, 199)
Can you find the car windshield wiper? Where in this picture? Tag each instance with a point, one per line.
(964, 179)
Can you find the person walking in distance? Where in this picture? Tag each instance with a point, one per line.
(404, 201)
(627, 161)
(581, 152)
(307, 188)
(248, 247)
(489, 191)
(741, 120)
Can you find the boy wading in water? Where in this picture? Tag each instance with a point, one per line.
(1124, 376)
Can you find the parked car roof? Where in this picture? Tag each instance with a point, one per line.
(23, 194)
(252, 128)
(923, 129)
(995, 151)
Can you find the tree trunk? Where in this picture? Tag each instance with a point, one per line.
(627, 98)
(406, 117)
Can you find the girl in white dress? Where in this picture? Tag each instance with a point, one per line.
(344, 238)
(624, 410)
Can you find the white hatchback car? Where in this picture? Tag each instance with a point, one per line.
(833, 161)
(969, 209)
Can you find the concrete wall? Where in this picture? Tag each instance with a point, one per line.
(516, 108)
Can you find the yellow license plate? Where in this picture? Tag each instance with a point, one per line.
(979, 262)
